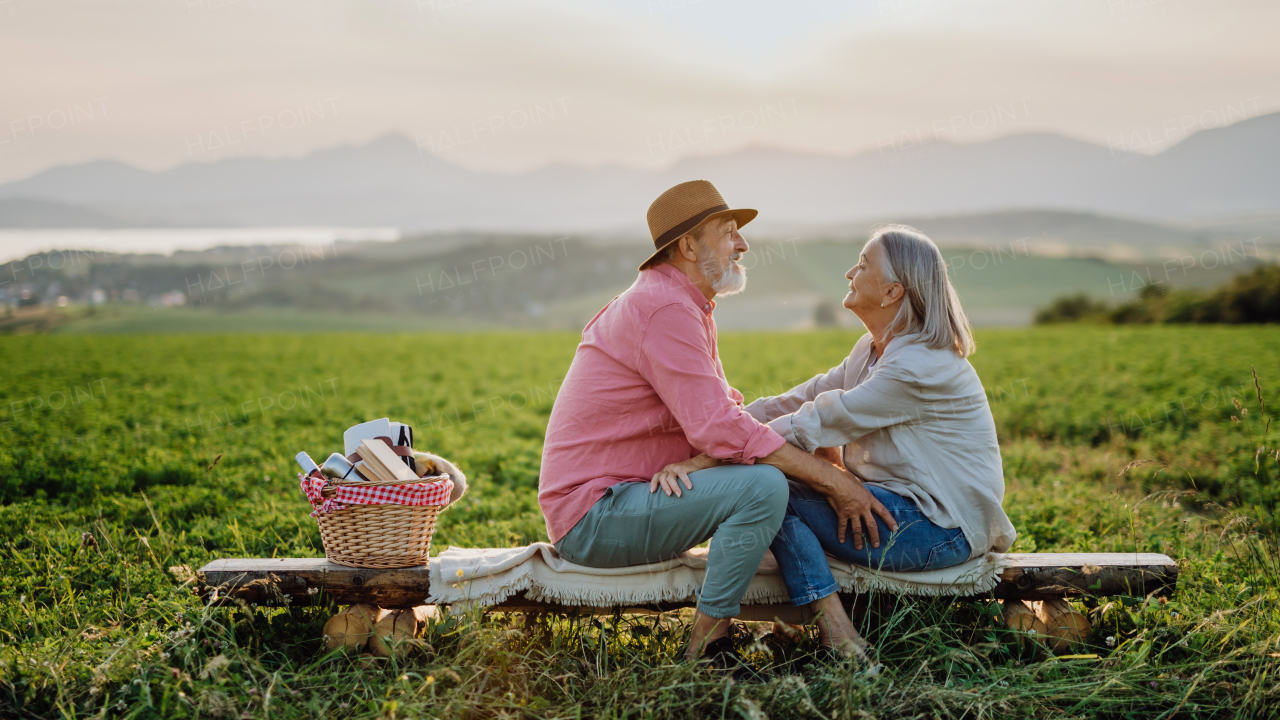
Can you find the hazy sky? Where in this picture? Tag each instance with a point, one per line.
(499, 85)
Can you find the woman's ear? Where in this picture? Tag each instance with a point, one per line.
(895, 293)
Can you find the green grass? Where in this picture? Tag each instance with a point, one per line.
(174, 450)
(123, 319)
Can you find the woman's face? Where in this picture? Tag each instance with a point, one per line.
(867, 287)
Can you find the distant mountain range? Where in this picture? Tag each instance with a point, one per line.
(1226, 172)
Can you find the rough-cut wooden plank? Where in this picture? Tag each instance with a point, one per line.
(1032, 576)
(1040, 576)
(302, 579)
(1080, 559)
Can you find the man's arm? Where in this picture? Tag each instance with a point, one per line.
(676, 360)
(846, 493)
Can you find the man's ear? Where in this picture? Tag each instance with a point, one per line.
(685, 248)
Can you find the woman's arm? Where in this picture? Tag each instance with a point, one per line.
(768, 408)
(837, 417)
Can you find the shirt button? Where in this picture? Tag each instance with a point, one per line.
(704, 307)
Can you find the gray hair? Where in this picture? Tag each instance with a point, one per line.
(930, 306)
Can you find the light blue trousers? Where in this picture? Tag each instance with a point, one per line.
(739, 507)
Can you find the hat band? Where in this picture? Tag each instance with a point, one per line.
(687, 225)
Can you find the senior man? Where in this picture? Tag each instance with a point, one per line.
(646, 390)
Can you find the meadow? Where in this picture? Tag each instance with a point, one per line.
(124, 456)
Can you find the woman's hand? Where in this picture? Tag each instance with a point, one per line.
(832, 455)
(672, 475)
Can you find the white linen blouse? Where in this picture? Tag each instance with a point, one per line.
(916, 423)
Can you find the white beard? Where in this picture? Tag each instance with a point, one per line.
(727, 279)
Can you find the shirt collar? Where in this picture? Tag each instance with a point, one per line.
(677, 279)
(893, 345)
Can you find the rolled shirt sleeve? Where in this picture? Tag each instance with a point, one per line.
(837, 417)
(676, 360)
(733, 392)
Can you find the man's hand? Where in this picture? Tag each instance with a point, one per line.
(843, 489)
(832, 455)
(853, 502)
(672, 475)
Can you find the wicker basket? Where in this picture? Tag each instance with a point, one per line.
(377, 536)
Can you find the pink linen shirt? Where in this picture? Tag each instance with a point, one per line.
(645, 389)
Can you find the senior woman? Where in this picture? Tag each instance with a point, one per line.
(916, 431)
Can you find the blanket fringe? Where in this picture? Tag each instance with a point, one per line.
(478, 585)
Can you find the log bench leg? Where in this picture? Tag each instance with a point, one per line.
(352, 627)
(379, 631)
(1053, 622)
(1064, 624)
(1020, 616)
(397, 629)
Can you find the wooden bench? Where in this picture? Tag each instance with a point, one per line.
(301, 581)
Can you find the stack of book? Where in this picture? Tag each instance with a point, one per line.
(378, 462)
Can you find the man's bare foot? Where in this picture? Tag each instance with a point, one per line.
(706, 630)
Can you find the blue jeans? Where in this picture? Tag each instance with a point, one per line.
(808, 535)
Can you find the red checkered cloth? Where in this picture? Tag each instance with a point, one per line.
(425, 493)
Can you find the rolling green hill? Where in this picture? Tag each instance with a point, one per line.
(540, 282)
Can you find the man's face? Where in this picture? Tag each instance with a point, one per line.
(720, 248)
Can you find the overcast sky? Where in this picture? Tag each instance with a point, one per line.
(507, 86)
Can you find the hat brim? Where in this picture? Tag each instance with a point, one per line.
(742, 215)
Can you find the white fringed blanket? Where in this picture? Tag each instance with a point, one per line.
(487, 576)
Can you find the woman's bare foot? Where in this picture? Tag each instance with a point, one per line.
(836, 630)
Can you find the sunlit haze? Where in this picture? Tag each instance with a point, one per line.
(509, 86)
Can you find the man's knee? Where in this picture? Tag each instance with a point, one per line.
(772, 488)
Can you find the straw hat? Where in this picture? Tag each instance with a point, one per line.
(684, 207)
